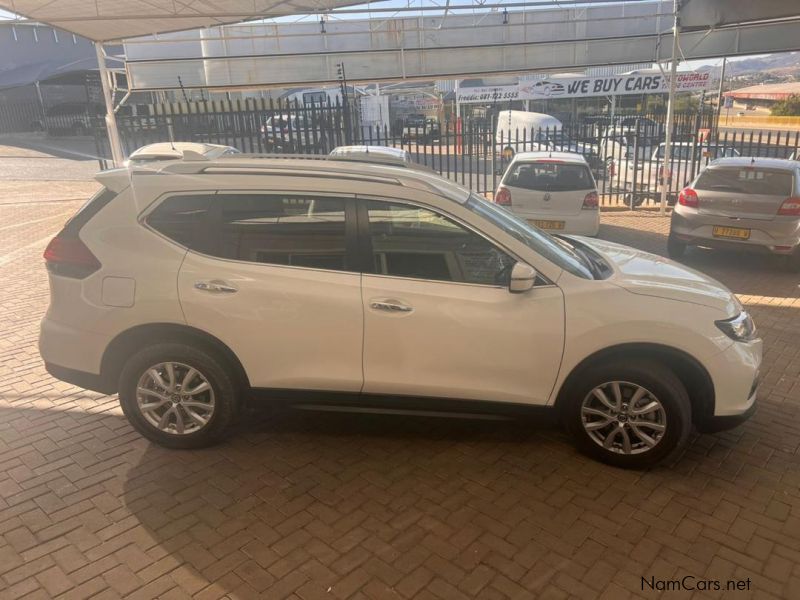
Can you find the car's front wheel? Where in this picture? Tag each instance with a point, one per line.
(628, 413)
(675, 248)
(178, 396)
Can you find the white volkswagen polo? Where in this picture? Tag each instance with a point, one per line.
(553, 191)
(189, 284)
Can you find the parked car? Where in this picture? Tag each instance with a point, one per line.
(71, 118)
(552, 191)
(751, 203)
(384, 155)
(322, 281)
(523, 131)
(293, 133)
(421, 129)
(645, 176)
(161, 151)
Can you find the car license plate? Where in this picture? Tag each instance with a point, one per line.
(542, 224)
(735, 233)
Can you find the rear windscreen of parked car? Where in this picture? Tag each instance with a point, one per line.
(549, 177)
(747, 180)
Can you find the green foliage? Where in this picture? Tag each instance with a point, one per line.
(787, 108)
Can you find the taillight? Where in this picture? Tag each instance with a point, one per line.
(502, 197)
(688, 197)
(591, 201)
(790, 207)
(68, 256)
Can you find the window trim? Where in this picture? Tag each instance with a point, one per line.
(365, 241)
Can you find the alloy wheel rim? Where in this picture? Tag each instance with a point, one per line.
(175, 398)
(623, 417)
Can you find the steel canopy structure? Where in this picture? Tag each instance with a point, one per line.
(115, 20)
(720, 27)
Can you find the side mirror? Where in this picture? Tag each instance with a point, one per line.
(522, 278)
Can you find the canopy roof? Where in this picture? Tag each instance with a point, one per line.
(107, 20)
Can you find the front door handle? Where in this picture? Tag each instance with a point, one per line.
(215, 287)
(390, 306)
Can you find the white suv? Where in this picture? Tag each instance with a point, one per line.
(188, 285)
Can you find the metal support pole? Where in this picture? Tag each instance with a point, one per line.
(117, 154)
(721, 89)
(664, 175)
(458, 106)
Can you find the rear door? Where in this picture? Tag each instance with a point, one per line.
(744, 192)
(548, 187)
(273, 275)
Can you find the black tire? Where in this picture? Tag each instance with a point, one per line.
(791, 262)
(217, 373)
(660, 381)
(675, 248)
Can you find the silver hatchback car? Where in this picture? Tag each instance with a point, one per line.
(741, 202)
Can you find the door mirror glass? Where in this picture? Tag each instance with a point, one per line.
(522, 278)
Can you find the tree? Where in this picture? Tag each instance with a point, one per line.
(787, 108)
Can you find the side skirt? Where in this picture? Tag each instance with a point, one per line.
(355, 402)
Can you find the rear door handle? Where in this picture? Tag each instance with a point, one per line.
(215, 287)
(390, 306)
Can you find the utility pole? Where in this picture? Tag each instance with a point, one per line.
(664, 175)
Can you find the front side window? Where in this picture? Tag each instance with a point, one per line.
(292, 230)
(409, 241)
(547, 246)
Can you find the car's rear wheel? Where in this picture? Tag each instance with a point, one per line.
(675, 248)
(629, 413)
(178, 396)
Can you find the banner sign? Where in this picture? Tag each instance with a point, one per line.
(611, 85)
(487, 94)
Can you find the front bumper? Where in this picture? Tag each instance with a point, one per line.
(715, 424)
(735, 375)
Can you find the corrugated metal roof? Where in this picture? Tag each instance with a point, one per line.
(767, 91)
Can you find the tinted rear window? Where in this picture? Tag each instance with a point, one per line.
(747, 180)
(549, 177)
(181, 218)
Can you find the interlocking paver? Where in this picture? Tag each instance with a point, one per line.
(381, 507)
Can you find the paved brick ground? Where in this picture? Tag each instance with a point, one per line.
(301, 506)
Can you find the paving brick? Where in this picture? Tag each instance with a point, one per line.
(382, 507)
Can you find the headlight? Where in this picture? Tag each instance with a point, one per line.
(739, 328)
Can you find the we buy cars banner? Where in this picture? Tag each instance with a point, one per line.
(611, 85)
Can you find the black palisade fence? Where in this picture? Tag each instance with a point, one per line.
(625, 153)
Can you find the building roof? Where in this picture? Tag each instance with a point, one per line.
(767, 91)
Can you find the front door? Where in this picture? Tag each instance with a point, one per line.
(274, 278)
(439, 320)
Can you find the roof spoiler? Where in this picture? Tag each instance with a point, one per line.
(115, 180)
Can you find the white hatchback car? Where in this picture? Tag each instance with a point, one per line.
(188, 285)
(551, 190)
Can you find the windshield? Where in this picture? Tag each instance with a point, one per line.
(537, 240)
